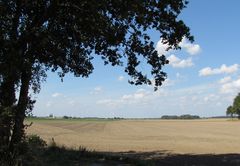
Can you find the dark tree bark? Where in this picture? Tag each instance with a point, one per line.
(7, 109)
(7, 101)
(18, 128)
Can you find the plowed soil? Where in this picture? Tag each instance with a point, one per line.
(210, 136)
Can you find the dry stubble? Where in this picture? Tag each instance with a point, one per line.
(173, 136)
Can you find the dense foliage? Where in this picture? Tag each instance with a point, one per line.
(64, 36)
(234, 109)
(187, 116)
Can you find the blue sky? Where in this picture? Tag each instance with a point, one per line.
(203, 77)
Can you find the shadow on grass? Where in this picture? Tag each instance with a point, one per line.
(61, 156)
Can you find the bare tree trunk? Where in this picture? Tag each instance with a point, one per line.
(18, 129)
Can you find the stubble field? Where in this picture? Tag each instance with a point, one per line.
(218, 136)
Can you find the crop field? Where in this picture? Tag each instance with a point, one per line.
(208, 136)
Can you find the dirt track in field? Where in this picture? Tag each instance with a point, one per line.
(217, 136)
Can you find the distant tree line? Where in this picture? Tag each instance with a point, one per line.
(72, 117)
(234, 109)
(187, 116)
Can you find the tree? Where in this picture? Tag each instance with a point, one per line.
(64, 36)
(236, 105)
(230, 111)
(235, 108)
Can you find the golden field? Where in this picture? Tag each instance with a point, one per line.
(218, 136)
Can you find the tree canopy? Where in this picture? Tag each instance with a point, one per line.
(65, 35)
(230, 111)
(58, 34)
(234, 109)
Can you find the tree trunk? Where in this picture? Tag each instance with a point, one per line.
(7, 109)
(18, 129)
(7, 101)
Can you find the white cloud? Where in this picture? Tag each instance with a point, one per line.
(71, 102)
(120, 78)
(225, 80)
(110, 103)
(135, 97)
(56, 95)
(219, 104)
(222, 70)
(193, 100)
(161, 47)
(168, 83)
(49, 104)
(231, 87)
(105, 101)
(96, 90)
(201, 100)
(211, 97)
(179, 63)
(139, 97)
(192, 49)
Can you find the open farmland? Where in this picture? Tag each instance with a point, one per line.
(218, 136)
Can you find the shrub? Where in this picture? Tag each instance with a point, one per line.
(35, 140)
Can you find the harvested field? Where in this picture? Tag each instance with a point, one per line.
(218, 136)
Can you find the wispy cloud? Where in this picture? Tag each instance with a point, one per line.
(135, 98)
(120, 78)
(49, 104)
(97, 90)
(57, 94)
(225, 80)
(183, 98)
